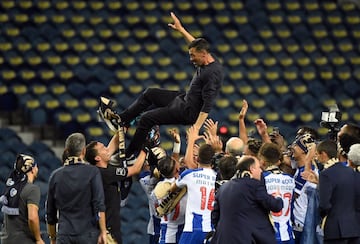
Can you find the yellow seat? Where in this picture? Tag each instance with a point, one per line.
(123, 74)
(12, 31)
(241, 48)
(109, 60)
(116, 47)
(132, 19)
(222, 19)
(201, 5)
(161, 75)
(282, 89)
(113, 20)
(43, 5)
(309, 47)
(8, 4)
(329, 6)
(266, 33)
(142, 75)
(311, 6)
(95, 20)
(292, 6)
(141, 33)
(288, 117)
(80, 46)
(114, 5)
(68, 33)
(64, 117)
(165, 61)
(183, 5)
(149, 5)
(123, 33)
(300, 89)
(52, 104)
(21, 18)
(340, 33)
(133, 48)
(166, 5)
(135, 89)
(78, 5)
(334, 20)
(96, 5)
(47, 74)
(61, 46)
(314, 19)
(254, 75)
(273, 5)
(306, 117)
(151, 47)
(116, 89)
(83, 117)
(222, 103)
(95, 131)
(87, 33)
(8, 74)
(347, 103)
(263, 89)
(25, 4)
(16, 60)
(53, 60)
(218, 5)
(39, 89)
(272, 116)
(71, 103)
(40, 18)
(241, 19)
(19, 89)
(290, 75)
(326, 75)
(269, 61)
(258, 103)
(32, 104)
(27, 74)
(58, 18)
(235, 61)
(236, 75)
(294, 19)
(58, 89)
(180, 75)
(66, 74)
(257, 47)
(146, 60)
(236, 5)
(105, 33)
(90, 103)
(272, 75)
(252, 61)
(245, 89)
(92, 60)
(205, 20)
(227, 89)
(276, 19)
(223, 47)
(127, 61)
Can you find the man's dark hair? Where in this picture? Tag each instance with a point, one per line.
(91, 153)
(254, 145)
(227, 167)
(270, 152)
(206, 153)
(307, 130)
(200, 44)
(166, 166)
(245, 163)
(329, 147)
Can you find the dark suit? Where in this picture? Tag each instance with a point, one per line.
(241, 213)
(337, 202)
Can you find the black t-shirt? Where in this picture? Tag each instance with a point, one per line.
(111, 177)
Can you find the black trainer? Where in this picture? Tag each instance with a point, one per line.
(109, 116)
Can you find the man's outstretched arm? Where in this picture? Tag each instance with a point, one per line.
(178, 26)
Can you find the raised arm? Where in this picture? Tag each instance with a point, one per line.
(242, 127)
(178, 26)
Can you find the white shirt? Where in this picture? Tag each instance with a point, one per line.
(200, 185)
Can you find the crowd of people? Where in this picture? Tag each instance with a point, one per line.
(246, 189)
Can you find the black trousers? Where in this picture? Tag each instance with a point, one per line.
(157, 107)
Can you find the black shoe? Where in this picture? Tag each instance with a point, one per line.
(109, 116)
